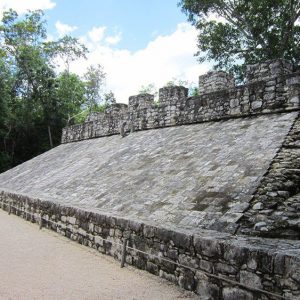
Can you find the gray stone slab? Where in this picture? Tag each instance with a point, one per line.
(189, 176)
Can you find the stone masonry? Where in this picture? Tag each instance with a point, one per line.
(271, 87)
(213, 204)
(275, 209)
(269, 265)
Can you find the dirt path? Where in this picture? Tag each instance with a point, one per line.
(40, 264)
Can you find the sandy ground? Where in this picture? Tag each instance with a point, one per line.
(40, 264)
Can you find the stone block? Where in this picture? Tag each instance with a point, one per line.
(187, 281)
(135, 226)
(173, 95)
(206, 265)
(91, 227)
(167, 276)
(172, 254)
(225, 268)
(250, 279)
(152, 268)
(82, 232)
(256, 105)
(205, 289)
(236, 255)
(232, 293)
(71, 220)
(140, 101)
(206, 247)
(258, 206)
(215, 81)
(186, 260)
(252, 264)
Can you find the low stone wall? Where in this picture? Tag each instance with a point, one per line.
(215, 260)
(271, 87)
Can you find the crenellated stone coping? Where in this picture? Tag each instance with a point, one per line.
(271, 265)
(278, 94)
(215, 81)
(268, 70)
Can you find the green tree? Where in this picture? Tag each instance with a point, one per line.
(70, 92)
(35, 103)
(148, 89)
(6, 83)
(94, 83)
(67, 48)
(109, 98)
(233, 33)
(192, 88)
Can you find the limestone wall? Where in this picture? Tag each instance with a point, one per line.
(270, 87)
(275, 208)
(209, 263)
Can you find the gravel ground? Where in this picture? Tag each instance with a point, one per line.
(40, 264)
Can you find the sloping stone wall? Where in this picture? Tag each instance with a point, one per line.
(275, 208)
(270, 87)
(194, 176)
(214, 260)
(179, 193)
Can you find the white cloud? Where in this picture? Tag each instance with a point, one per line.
(114, 39)
(63, 29)
(164, 58)
(21, 6)
(97, 34)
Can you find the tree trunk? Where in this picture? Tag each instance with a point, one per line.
(50, 137)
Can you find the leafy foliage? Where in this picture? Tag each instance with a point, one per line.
(192, 89)
(94, 82)
(35, 101)
(237, 32)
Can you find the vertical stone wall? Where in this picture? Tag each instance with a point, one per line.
(268, 70)
(270, 87)
(98, 124)
(215, 265)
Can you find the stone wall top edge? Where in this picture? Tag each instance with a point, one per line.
(246, 85)
(289, 248)
(141, 95)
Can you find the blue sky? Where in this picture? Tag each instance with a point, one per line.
(137, 42)
(138, 20)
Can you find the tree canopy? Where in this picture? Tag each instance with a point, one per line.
(36, 100)
(233, 33)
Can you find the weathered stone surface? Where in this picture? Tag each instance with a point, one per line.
(189, 176)
(254, 261)
(235, 293)
(273, 87)
(250, 279)
(215, 81)
(275, 208)
(205, 289)
(161, 190)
